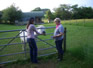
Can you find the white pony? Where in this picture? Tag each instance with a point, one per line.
(23, 34)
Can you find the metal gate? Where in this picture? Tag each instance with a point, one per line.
(11, 46)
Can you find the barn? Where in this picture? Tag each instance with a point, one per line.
(37, 15)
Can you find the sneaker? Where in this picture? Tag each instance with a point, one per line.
(59, 59)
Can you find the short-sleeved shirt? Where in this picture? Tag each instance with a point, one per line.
(57, 31)
(30, 31)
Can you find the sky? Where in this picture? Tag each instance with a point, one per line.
(28, 5)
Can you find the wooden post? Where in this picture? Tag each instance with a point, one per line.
(65, 39)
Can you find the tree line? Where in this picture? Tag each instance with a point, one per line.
(64, 11)
(10, 15)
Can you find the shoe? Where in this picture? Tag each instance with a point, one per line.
(36, 62)
(59, 59)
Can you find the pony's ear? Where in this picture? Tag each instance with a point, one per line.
(20, 31)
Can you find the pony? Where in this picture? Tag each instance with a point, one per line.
(23, 34)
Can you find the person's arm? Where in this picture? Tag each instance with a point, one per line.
(61, 30)
(59, 35)
(34, 28)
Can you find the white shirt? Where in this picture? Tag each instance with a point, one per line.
(30, 31)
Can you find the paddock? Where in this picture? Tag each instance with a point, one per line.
(11, 46)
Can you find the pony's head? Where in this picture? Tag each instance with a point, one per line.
(41, 29)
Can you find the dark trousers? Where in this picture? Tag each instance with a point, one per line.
(33, 49)
(59, 48)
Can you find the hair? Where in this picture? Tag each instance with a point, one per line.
(31, 20)
(57, 19)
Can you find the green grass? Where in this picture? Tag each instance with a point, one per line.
(79, 46)
(51, 62)
(79, 22)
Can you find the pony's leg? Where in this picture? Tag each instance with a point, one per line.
(23, 46)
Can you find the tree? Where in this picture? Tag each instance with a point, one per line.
(37, 9)
(63, 11)
(81, 12)
(11, 14)
(49, 15)
(85, 12)
(0, 16)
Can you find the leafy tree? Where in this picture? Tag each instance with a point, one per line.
(85, 12)
(11, 14)
(82, 12)
(58, 12)
(63, 11)
(37, 9)
(0, 16)
(74, 10)
(49, 15)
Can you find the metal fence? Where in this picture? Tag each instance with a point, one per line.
(11, 46)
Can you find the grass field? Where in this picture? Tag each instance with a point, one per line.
(79, 52)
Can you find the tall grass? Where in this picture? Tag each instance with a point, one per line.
(79, 22)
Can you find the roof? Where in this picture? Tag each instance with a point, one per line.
(33, 14)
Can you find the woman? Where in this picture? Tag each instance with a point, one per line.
(58, 36)
(31, 40)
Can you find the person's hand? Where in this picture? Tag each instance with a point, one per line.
(54, 36)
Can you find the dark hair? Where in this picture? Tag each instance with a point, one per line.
(31, 20)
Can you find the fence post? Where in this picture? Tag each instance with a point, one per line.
(65, 39)
(24, 43)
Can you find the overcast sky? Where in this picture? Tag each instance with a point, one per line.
(28, 5)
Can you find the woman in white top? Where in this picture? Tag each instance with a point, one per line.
(31, 40)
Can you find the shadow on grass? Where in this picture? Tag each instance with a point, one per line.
(69, 61)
